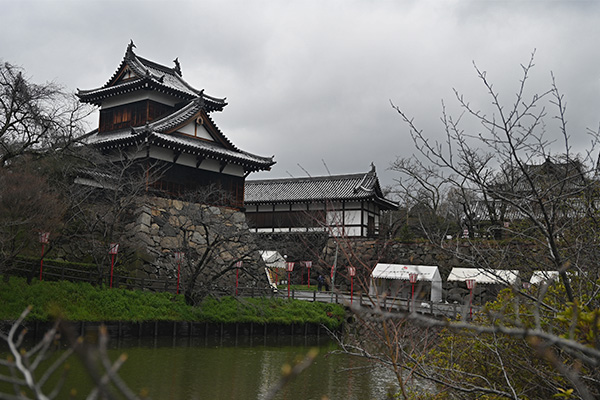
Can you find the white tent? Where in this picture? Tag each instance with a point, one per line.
(543, 276)
(273, 260)
(383, 276)
(484, 275)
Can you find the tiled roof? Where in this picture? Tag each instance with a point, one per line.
(158, 133)
(149, 75)
(185, 144)
(363, 186)
(163, 132)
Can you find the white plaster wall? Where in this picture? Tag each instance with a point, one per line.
(352, 217)
(194, 129)
(188, 129)
(334, 218)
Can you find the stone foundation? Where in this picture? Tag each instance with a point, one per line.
(212, 239)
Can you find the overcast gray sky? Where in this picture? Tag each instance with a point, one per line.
(310, 82)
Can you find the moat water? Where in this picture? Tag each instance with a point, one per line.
(208, 368)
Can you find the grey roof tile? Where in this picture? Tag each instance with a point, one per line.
(362, 186)
(148, 72)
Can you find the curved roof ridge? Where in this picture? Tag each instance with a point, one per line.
(159, 74)
(177, 117)
(308, 178)
(155, 65)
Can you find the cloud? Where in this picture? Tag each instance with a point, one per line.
(311, 81)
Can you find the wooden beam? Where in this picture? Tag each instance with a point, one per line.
(176, 155)
(199, 160)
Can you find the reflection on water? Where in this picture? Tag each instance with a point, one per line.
(199, 368)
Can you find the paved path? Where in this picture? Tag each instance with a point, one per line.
(389, 304)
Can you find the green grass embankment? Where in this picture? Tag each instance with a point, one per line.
(84, 302)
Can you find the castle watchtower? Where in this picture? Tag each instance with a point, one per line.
(149, 113)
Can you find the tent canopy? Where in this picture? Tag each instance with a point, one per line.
(402, 272)
(484, 275)
(543, 276)
(272, 259)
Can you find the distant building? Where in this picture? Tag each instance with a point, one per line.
(150, 113)
(565, 183)
(342, 205)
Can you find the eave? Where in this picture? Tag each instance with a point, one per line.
(197, 148)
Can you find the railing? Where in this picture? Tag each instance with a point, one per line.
(384, 303)
(52, 272)
(30, 270)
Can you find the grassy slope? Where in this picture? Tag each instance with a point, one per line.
(84, 302)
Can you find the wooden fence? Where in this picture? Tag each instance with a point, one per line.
(59, 272)
(54, 272)
(99, 277)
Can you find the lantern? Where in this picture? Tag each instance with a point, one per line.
(112, 250)
(470, 285)
(308, 265)
(412, 277)
(289, 266)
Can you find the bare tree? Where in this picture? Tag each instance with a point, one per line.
(103, 195)
(28, 205)
(34, 118)
(214, 239)
(30, 379)
(502, 172)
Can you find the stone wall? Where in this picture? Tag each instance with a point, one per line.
(212, 238)
(368, 252)
(364, 254)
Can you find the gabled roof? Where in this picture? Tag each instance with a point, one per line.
(148, 75)
(363, 186)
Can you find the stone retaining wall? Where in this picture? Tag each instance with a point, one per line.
(212, 238)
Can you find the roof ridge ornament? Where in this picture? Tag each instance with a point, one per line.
(177, 66)
(130, 46)
(363, 182)
(200, 99)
